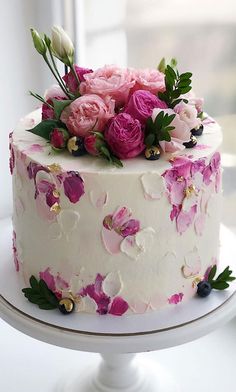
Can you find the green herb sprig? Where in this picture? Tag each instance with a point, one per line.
(40, 294)
(159, 129)
(223, 279)
(176, 84)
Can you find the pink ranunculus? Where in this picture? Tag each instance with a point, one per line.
(125, 136)
(148, 79)
(86, 113)
(188, 114)
(141, 105)
(71, 81)
(109, 81)
(179, 135)
(90, 143)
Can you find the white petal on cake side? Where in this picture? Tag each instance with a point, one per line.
(98, 198)
(112, 284)
(153, 186)
(133, 246)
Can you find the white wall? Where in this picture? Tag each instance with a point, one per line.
(21, 69)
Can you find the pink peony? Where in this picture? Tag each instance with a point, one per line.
(179, 135)
(86, 113)
(109, 81)
(188, 114)
(71, 81)
(125, 136)
(148, 79)
(141, 105)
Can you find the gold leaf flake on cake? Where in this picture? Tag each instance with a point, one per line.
(190, 191)
(54, 168)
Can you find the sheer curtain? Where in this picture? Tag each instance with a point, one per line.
(199, 33)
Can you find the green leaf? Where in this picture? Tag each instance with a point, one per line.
(168, 119)
(98, 134)
(59, 106)
(44, 128)
(184, 83)
(116, 161)
(104, 150)
(34, 283)
(170, 128)
(186, 75)
(149, 140)
(40, 294)
(219, 285)
(158, 120)
(171, 72)
(174, 103)
(185, 90)
(212, 273)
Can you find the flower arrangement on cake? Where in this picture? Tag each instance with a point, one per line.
(115, 113)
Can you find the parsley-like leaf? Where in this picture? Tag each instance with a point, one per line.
(39, 294)
(222, 280)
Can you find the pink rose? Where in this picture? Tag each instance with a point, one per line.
(149, 79)
(125, 136)
(109, 81)
(188, 114)
(70, 79)
(87, 112)
(141, 105)
(179, 135)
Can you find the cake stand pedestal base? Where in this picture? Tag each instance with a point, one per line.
(122, 373)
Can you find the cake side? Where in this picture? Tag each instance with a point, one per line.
(119, 240)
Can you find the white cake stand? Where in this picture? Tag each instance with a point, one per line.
(117, 338)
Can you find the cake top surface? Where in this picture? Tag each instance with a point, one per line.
(39, 150)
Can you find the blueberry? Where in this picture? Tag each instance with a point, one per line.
(192, 142)
(197, 132)
(75, 146)
(204, 288)
(66, 305)
(152, 153)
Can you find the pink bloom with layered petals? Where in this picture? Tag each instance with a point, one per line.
(141, 105)
(125, 136)
(86, 113)
(148, 79)
(109, 81)
(188, 114)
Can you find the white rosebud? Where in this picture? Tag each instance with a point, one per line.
(62, 45)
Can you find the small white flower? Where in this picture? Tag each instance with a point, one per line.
(62, 45)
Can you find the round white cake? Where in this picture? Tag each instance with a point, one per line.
(117, 240)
